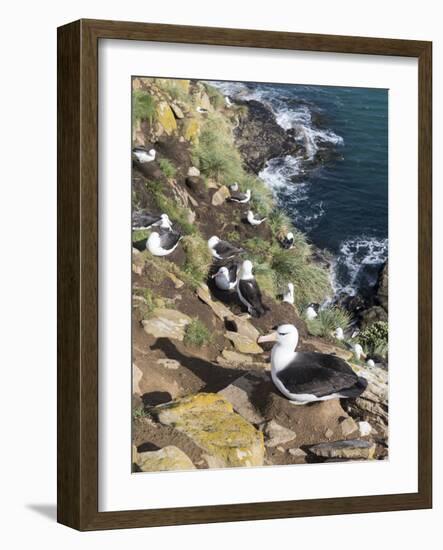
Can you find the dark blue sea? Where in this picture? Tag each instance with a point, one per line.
(337, 190)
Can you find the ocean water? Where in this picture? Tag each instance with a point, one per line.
(340, 202)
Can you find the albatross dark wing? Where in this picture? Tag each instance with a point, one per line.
(320, 375)
(143, 219)
(251, 293)
(168, 239)
(226, 250)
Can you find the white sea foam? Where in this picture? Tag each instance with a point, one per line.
(354, 258)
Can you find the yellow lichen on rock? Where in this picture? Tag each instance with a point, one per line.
(166, 118)
(209, 420)
(166, 459)
(191, 129)
(183, 84)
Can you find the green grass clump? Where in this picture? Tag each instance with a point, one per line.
(174, 90)
(196, 334)
(374, 339)
(216, 155)
(144, 106)
(171, 207)
(168, 169)
(139, 413)
(139, 235)
(198, 259)
(327, 321)
(216, 98)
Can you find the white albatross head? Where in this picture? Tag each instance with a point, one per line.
(286, 336)
(222, 272)
(213, 241)
(290, 236)
(152, 152)
(246, 270)
(165, 222)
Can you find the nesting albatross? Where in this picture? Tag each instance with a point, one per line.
(305, 377)
(248, 290)
(222, 250)
(143, 220)
(163, 242)
(226, 277)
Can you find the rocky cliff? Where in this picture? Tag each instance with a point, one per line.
(202, 393)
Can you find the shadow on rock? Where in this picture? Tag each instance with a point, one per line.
(214, 376)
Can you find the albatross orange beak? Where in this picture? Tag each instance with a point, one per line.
(271, 337)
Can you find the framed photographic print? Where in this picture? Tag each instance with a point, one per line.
(244, 275)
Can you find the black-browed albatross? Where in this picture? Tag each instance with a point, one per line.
(162, 242)
(305, 377)
(222, 250)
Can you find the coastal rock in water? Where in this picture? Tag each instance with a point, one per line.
(166, 323)
(259, 137)
(350, 449)
(372, 315)
(383, 287)
(209, 420)
(242, 343)
(168, 458)
(277, 435)
(220, 196)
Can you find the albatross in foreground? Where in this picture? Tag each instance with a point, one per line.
(163, 242)
(305, 377)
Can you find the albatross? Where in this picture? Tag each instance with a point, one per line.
(305, 377)
(288, 241)
(222, 250)
(253, 220)
(142, 155)
(288, 296)
(163, 242)
(248, 290)
(312, 311)
(226, 277)
(241, 198)
(144, 220)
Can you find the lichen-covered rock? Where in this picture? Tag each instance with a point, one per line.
(137, 375)
(220, 196)
(236, 358)
(183, 84)
(356, 449)
(277, 435)
(166, 323)
(178, 113)
(168, 458)
(242, 343)
(239, 395)
(193, 172)
(191, 129)
(209, 420)
(348, 426)
(165, 118)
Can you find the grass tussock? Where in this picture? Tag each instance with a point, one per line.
(196, 334)
(198, 258)
(176, 212)
(168, 169)
(174, 90)
(144, 106)
(275, 267)
(374, 339)
(327, 321)
(216, 98)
